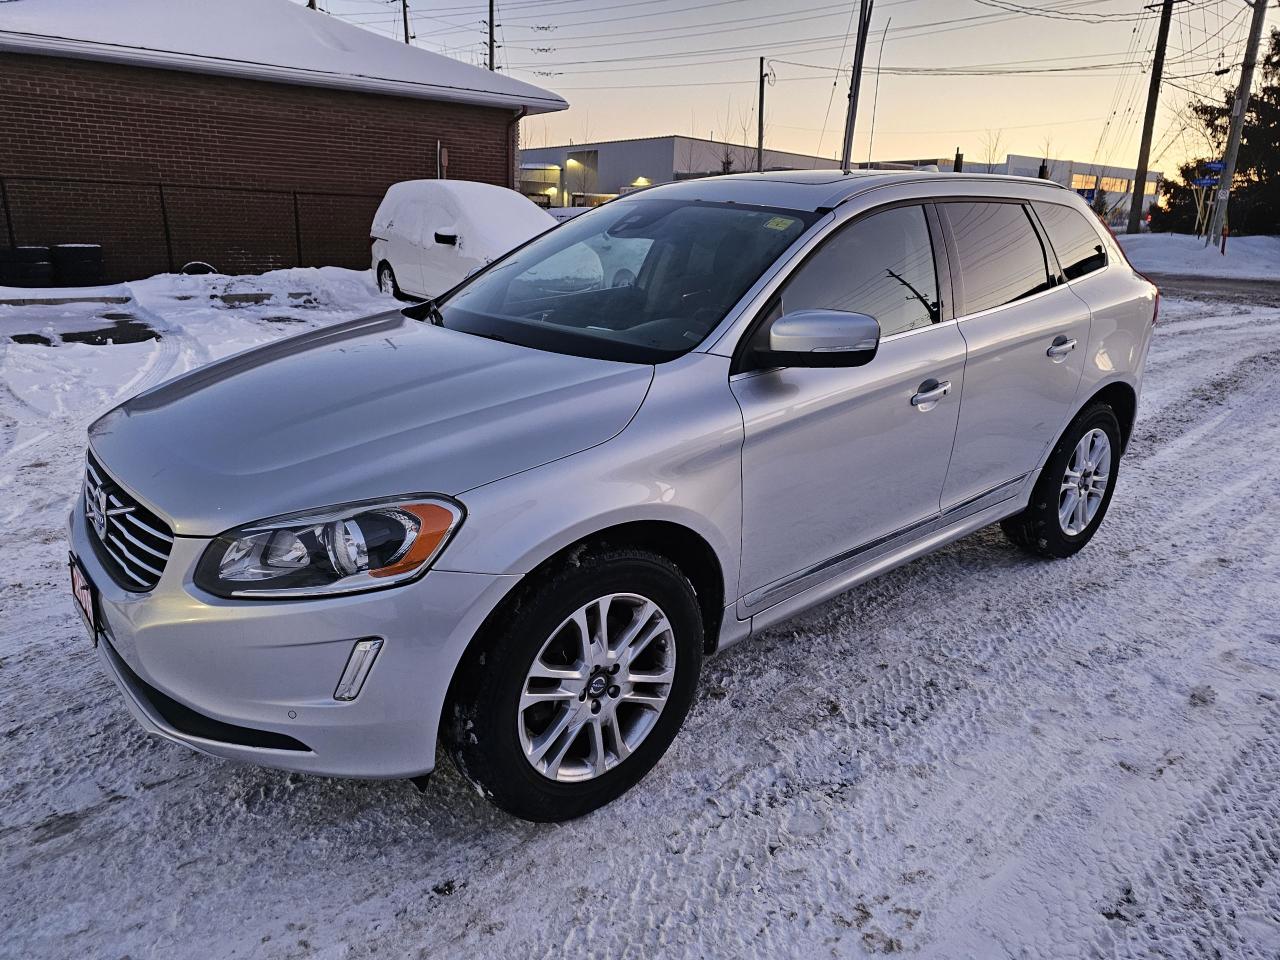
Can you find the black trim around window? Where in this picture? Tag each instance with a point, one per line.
(1089, 222)
(942, 260)
(1046, 250)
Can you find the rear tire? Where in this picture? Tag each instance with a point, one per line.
(496, 723)
(1059, 519)
(387, 281)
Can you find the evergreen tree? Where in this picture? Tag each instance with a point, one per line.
(1255, 197)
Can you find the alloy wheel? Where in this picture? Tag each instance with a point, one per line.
(596, 688)
(1084, 485)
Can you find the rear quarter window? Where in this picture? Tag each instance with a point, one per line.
(1080, 249)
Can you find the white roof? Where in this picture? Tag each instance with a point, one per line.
(260, 39)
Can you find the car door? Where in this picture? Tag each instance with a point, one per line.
(1026, 337)
(439, 251)
(403, 231)
(837, 462)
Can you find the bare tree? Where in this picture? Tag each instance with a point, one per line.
(1046, 152)
(744, 134)
(993, 149)
(737, 130)
(688, 152)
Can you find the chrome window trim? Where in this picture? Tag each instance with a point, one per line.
(1013, 303)
(915, 330)
(723, 340)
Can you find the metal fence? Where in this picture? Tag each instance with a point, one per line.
(146, 226)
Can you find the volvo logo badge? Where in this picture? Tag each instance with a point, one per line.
(95, 502)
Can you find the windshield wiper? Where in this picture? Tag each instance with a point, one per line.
(426, 310)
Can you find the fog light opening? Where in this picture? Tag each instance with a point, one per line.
(358, 666)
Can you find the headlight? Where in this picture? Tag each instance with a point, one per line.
(345, 549)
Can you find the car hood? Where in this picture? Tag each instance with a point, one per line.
(378, 407)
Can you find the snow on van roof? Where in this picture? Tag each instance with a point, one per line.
(274, 40)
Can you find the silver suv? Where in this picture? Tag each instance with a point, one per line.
(518, 518)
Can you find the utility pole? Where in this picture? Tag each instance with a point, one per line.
(855, 81)
(875, 100)
(404, 9)
(1239, 108)
(492, 65)
(760, 122)
(1149, 122)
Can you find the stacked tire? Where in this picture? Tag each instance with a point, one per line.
(63, 265)
(77, 264)
(26, 266)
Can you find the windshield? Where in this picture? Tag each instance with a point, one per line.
(641, 281)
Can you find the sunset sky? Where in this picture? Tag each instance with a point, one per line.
(633, 68)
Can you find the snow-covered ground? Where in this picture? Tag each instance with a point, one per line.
(74, 381)
(1247, 258)
(979, 755)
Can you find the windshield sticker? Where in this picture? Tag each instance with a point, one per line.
(778, 223)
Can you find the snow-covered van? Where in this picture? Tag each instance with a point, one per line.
(429, 235)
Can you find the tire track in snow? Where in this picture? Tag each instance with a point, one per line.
(844, 795)
(889, 713)
(1195, 902)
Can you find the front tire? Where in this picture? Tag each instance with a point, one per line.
(1074, 489)
(387, 281)
(580, 685)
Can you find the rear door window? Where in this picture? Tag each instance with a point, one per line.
(1001, 257)
(1079, 248)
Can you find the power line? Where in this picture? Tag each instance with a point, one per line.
(918, 30)
(826, 116)
(907, 32)
(1060, 14)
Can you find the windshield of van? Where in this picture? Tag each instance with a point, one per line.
(641, 281)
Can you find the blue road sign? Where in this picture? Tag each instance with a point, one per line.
(1205, 181)
(1216, 165)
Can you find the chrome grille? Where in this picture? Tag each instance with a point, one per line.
(134, 542)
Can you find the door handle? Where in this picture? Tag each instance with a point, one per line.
(1059, 349)
(930, 392)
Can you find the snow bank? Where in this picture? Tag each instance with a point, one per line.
(178, 322)
(1248, 258)
(977, 755)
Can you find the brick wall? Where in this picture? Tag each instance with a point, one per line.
(248, 175)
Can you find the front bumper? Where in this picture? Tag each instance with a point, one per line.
(254, 680)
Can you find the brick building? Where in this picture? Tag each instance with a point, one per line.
(252, 134)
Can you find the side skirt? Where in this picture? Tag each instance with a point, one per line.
(778, 602)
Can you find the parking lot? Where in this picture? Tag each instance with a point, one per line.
(975, 755)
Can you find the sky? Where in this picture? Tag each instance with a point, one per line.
(986, 76)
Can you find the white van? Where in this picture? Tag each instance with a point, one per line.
(429, 235)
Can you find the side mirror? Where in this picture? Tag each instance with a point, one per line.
(821, 338)
(448, 239)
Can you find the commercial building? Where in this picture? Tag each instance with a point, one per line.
(586, 173)
(251, 134)
(1109, 188)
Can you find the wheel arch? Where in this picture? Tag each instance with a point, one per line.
(1121, 397)
(685, 547)
(682, 545)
